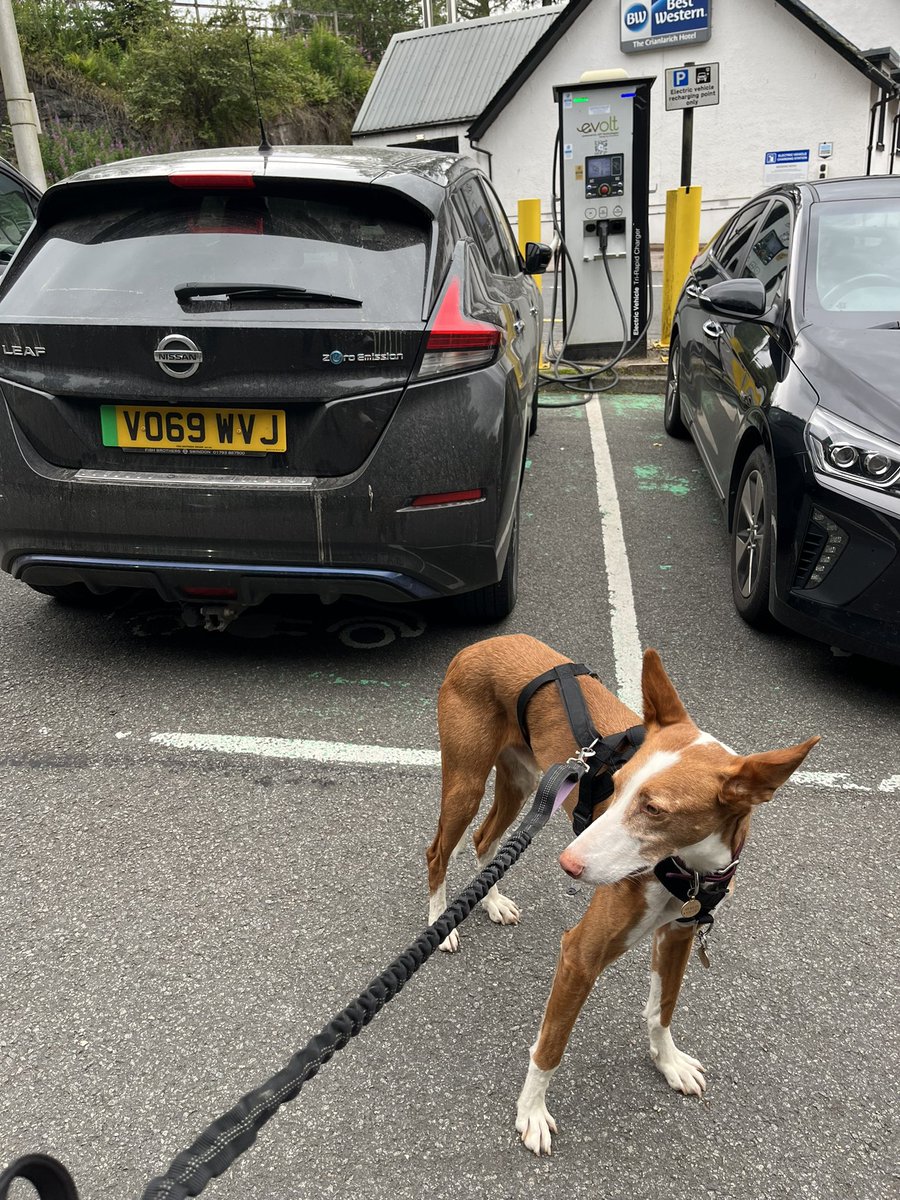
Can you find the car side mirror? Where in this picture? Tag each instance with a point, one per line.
(537, 257)
(736, 298)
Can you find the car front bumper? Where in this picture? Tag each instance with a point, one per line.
(856, 606)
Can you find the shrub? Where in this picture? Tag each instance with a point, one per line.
(66, 150)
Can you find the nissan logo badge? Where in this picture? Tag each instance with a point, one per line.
(178, 356)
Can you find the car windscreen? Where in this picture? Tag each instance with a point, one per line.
(853, 263)
(120, 257)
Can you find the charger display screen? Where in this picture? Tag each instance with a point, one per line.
(599, 168)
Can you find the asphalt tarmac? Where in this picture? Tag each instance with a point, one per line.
(174, 922)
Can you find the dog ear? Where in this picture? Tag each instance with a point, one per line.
(661, 703)
(756, 776)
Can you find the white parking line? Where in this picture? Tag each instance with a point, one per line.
(359, 754)
(623, 617)
(302, 748)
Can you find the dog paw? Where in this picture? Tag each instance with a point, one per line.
(683, 1073)
(535, 1125)
(450, 944)
(501, 909)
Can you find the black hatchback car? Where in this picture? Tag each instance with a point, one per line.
(785, 369)
(232, 374)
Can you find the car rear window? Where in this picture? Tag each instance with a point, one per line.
(119, 257)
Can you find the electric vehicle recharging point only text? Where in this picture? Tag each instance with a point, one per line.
(604, 181)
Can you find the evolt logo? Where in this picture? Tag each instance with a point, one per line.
(608, 125)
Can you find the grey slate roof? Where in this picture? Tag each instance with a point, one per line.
(448, 73)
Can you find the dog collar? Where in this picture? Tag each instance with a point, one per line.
(700, 892)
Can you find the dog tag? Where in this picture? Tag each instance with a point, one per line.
(703, 956)
(691, 907)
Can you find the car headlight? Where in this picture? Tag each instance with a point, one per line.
(845, 451)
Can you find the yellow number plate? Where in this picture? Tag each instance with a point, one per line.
(187, 430)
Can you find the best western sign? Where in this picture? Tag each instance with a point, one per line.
(647, 24)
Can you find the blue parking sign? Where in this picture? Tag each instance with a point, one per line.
(681, 78)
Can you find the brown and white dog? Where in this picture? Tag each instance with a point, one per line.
(682, 793)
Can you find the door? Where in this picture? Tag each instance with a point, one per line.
(745, 350)
(714, 372)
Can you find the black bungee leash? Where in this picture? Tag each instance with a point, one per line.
(230, 1135)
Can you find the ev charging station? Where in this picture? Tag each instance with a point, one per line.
(604, 182)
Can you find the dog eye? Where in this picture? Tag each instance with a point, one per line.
(652, 809)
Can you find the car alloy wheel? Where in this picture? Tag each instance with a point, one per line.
(672, 418)
(751, 540)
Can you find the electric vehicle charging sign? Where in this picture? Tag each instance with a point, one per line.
(646, 24)
(692, 87)
(786, 166)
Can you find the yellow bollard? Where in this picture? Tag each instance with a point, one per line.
(680, 248)
(530, 231)
(529, 226)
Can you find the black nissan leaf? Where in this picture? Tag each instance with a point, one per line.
(233, 374)
(785, 369)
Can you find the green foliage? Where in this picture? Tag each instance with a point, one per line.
(361, 23)
(66, 150)
(189, 82)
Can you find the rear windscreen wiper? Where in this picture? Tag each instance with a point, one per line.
(187, 293)
(887, 325)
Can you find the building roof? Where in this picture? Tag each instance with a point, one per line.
(448, 73)
(470, 71)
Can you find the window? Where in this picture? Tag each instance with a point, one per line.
(15, 217)
(507, 237)
(853, 264)
(768, 256)
(483, 227)
(123, 258)
(732, 245)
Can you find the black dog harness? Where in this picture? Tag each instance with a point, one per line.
(604, 755)
(699, 893)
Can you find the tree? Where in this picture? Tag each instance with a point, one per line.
(124, 21)
(364, 24)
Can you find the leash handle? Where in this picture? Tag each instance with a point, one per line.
(49, 1178)
(227, 1138)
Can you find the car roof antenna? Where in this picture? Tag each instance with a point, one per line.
(265, 146)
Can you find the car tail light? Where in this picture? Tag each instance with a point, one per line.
(212, 180)
(456, 342)
(438, 498)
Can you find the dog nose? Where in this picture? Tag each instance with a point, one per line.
(571, 864)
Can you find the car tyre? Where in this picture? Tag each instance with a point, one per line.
(672, 418)
(751, 540)
(77, 595)
(488, 605)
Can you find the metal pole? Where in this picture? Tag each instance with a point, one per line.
(19, 104)
(452, 16)
(687, 144)
(427, 14)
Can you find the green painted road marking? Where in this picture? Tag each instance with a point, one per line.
(632, 406)
(654, 479)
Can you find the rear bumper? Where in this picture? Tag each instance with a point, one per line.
(348, 535)
(250, 584)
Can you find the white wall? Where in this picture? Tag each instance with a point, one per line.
(869, 24)
(781, 88)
